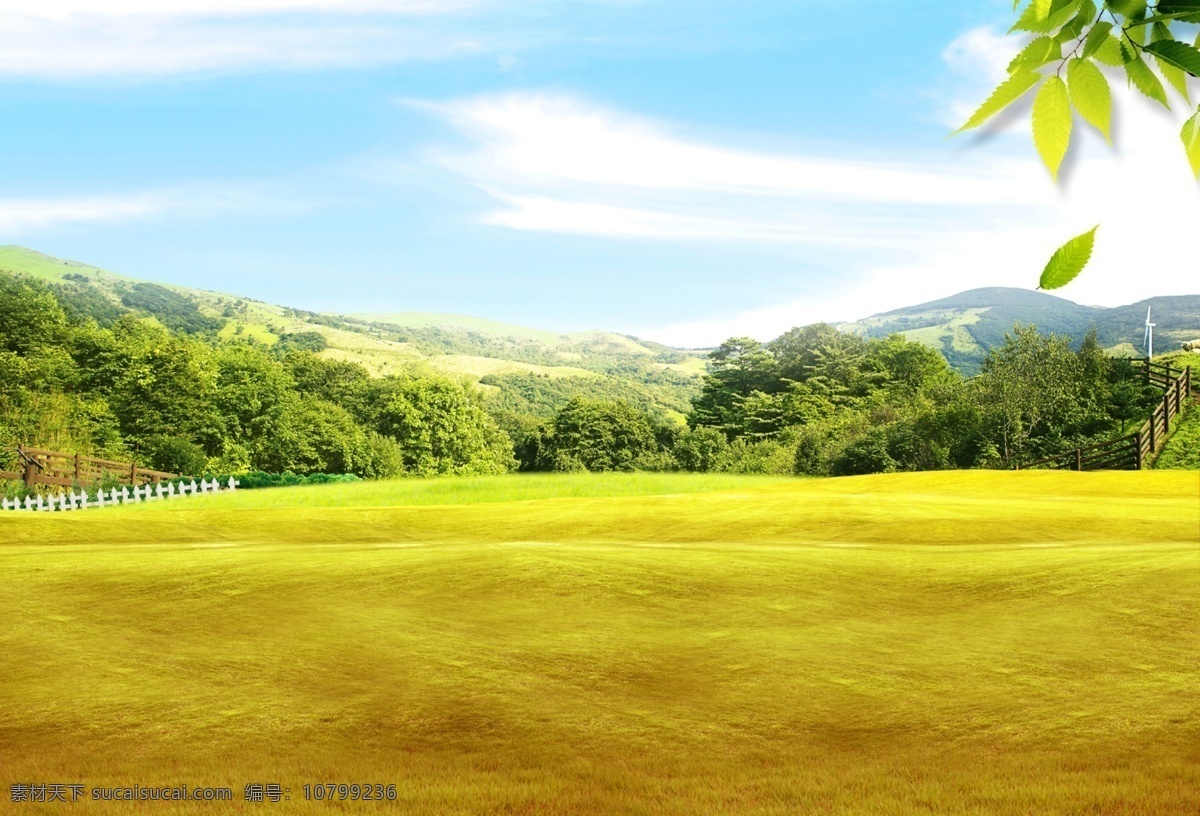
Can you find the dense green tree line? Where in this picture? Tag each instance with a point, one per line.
(179, 401)
(821, 402)
(813, 401)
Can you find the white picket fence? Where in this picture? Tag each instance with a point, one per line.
(71, 501)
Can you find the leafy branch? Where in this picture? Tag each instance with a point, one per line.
(1076, 37)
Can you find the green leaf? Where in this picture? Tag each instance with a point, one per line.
(1161, 31)
(1163, 18)
(1146, 82)
(1126, 8)
(1187, 10)
(1191, 142)
(1060, 12)
(1176, 77)
(1037, 53)
(1109, 52)
(1091, 95)
(1069, 260)
(1180, 55)
(1173, 74)
(1052, 123)
(1074, 28)
(1009, 91)
(1096, 38)
(1041, 9)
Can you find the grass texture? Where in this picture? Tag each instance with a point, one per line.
(958, 643)
(1182, 451)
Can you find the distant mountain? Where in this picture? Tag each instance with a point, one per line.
(964, 326)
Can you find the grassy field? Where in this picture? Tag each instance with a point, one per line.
(961, 643)
(1182, 451)
(46, 267)
(956, 327)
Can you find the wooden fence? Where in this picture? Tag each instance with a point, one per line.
(1134, 451)
(72, 470)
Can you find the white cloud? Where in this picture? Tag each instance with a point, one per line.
(554, 140)
(154, 45)
(22, 216)
(949, 217)
(62, 9)
(19, 216)
(732, 221)
(976, 61)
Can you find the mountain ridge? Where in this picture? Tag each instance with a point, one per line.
(486, 352)
(965, 325)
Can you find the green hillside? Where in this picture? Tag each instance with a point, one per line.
(660, 379)
(424, 320)
(47, 267)
(963, 327)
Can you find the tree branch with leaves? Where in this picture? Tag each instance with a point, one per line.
(1075, 38)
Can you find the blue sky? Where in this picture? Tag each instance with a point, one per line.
(679, 171)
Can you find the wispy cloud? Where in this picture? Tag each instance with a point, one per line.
(141, 45)
(558, 165)
(951, 217)
(548, 140)
(20, 216)
(62, 9)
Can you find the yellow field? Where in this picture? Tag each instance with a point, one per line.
(961, 643)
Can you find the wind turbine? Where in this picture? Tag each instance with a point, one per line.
(1148, 337)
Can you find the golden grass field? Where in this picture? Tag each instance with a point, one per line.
(954, 643)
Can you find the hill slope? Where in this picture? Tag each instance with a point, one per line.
(603, 363)
(964, 326)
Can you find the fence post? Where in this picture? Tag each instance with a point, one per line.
(1079, 459)
(133, 475)
(77, 470)
(30, 470)
(1166, 415)
(1137, 449)
(1153, 435)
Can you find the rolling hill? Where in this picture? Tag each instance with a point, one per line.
(963, 327)
(659, 378)
(502, 356)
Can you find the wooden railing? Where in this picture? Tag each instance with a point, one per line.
(72, 470)
(1134, 451)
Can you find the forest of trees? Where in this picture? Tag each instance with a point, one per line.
(186, 403)
(813, 401)
(821, 402)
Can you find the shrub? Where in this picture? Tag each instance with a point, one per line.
(175, 454)
(768, 456)
(257, 479)
(867, 454)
